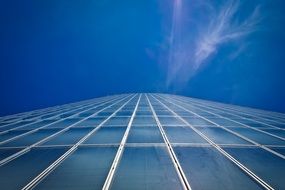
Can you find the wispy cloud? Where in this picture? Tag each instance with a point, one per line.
(192, 43)
(223, 28)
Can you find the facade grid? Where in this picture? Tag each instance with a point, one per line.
(143, 141)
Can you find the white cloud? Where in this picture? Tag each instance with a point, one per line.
(223, 28)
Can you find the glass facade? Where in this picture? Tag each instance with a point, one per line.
(143, 141)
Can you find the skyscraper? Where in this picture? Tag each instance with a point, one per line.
(143, 141)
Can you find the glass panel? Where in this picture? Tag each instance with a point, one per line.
(256, 125)
(278, 125)
(118, 121)
(31, 138)
(205, 168)
(279, 150)
(164, 113)
(197, 121)
(183, 135)
(280, 133)
(86, 168)
(105, 113)
(258, 136)
(71, 136)
(91, 122)
(145, 135)
(224, 122)
(221, 136)
(124, 113)
(170, 121)
(146, 168)
(64, 123)
(38, 125)
(264, 164)
(19, 172)
(11, 134)
(107, 135)
(4, 153)
(140, 120)
(11, 126)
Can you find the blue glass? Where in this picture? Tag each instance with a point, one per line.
(118, 121)
(207, 169)
(224, 122)
(170, 121)
(280, 125)
(69, 137)
(4, 153)
(11, 134)
(144, 113)
(86, 168)
(19, 172)
(106, 135)
(47, 116)
(256, 125)
(164, 113)
(258, 136)
(280, 150)
(124, 113)
(64, 123)
(280, 133)
(12, 126)
(221, 136)
(144, 120)
(197, 121)
(146, 168)
(144, 135)
(85, 114)
(264, 164)
(91, 122)
(105, 113)
(183, 135)
(31, 138)
(3, 123)
(38, 124)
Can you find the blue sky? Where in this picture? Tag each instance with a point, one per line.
(58, 51)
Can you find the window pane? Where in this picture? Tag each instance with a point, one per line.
(86, 168)
(11, 126)
(170, 121)
(38, 125)
(31, 138)
(19, 172)
(64, 123)
(118, 121)
(4, 153)
(70, 136)
(143, 120)
(221, 136)
(280, 133)
(107, 135)
(146, 168)
(144, 135)
(258, 136)
(205, 168)
(11, 134)
(264, 164)
(197, 121)
(280, 150)
(183, 135)
(91, 122)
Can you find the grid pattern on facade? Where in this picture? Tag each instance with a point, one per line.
(143, 141)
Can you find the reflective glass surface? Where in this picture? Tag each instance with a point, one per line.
(86, 168)
(159, 150)
(146, 168)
